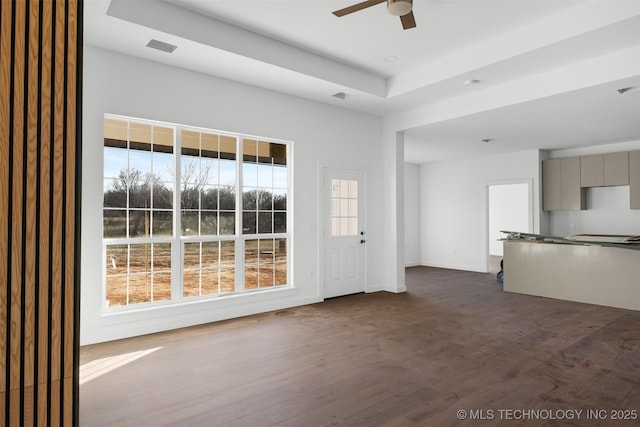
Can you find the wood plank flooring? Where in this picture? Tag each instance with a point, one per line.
(455, 341)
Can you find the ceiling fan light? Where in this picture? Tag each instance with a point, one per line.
(399, 7)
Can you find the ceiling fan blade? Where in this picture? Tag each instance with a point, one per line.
(357, 7)
(408, 21)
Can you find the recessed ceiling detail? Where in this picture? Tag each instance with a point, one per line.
(164, 47)
(629, 89)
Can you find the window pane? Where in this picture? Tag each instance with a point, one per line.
(140, 133)
(227, 254)
(140, 196)
(116, 291)
(265, 200)
(161, 286)
(209, 145)
(279, 153)
(227, 280)
(227, 147)
(264, 152)
(265, 176)
(279, 222)
(116, 162)
(209, 282)
(115, 132)
(208, 223)
(163, 195)
(209, 198)
(265, 222)
(250, 174)
(191, 283)
(162, 139)
(249, 199)
(249, 150)
(139, 288)
(117, 259)
(161, 257)
(210, 253)
(139, 166)
(190, 169)
(139, 258)
(162, 223)
(227, 223)
(280, 262)
(279, 177)
(190, 143)
(248, 222)
(208, 171)
(114, 223)
(280, 200)
(163, 166)
(251, 277)
(227, 198)
(266, 275)
(139, 223)
(189, 223)
(266, 251)
(227, 172)
(191, 258)
(190, 196)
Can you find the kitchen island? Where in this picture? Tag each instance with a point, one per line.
(592, 274)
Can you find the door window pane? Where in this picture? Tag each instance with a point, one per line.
(344, 207)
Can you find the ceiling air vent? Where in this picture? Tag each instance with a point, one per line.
(165, 47)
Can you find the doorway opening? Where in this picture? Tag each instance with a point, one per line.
(509, 208)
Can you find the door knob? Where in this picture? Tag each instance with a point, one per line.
(362, 241)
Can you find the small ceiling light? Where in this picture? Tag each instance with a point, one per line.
(165, 47)
(629, 89)
(399, 7)
(340, 95)
(471, 82)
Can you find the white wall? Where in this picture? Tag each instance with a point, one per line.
(411, 214)
(607, 213)
(322, 135)
(508, 210)
(453, 206)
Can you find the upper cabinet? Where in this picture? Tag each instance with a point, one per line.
(634, 179)
(603, 170)
(561, 188)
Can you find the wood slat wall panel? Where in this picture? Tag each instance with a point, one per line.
(40, 92)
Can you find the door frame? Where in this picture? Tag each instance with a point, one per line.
(530, 211)
(322, 201)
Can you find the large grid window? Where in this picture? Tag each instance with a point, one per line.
(171, 210)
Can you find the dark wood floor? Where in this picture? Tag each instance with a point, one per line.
(453, 342)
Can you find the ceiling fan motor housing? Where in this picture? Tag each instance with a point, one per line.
(399, 7)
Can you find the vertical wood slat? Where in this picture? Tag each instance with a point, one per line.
(40, 63)
(16, 179)
(45, 212)
(5, 54)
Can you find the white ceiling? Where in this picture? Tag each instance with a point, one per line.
(548, 70)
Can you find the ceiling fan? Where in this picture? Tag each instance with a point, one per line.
(401, 8)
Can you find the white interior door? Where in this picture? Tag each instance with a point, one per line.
(344, 232)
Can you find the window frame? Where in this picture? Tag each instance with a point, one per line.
(177, 240)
